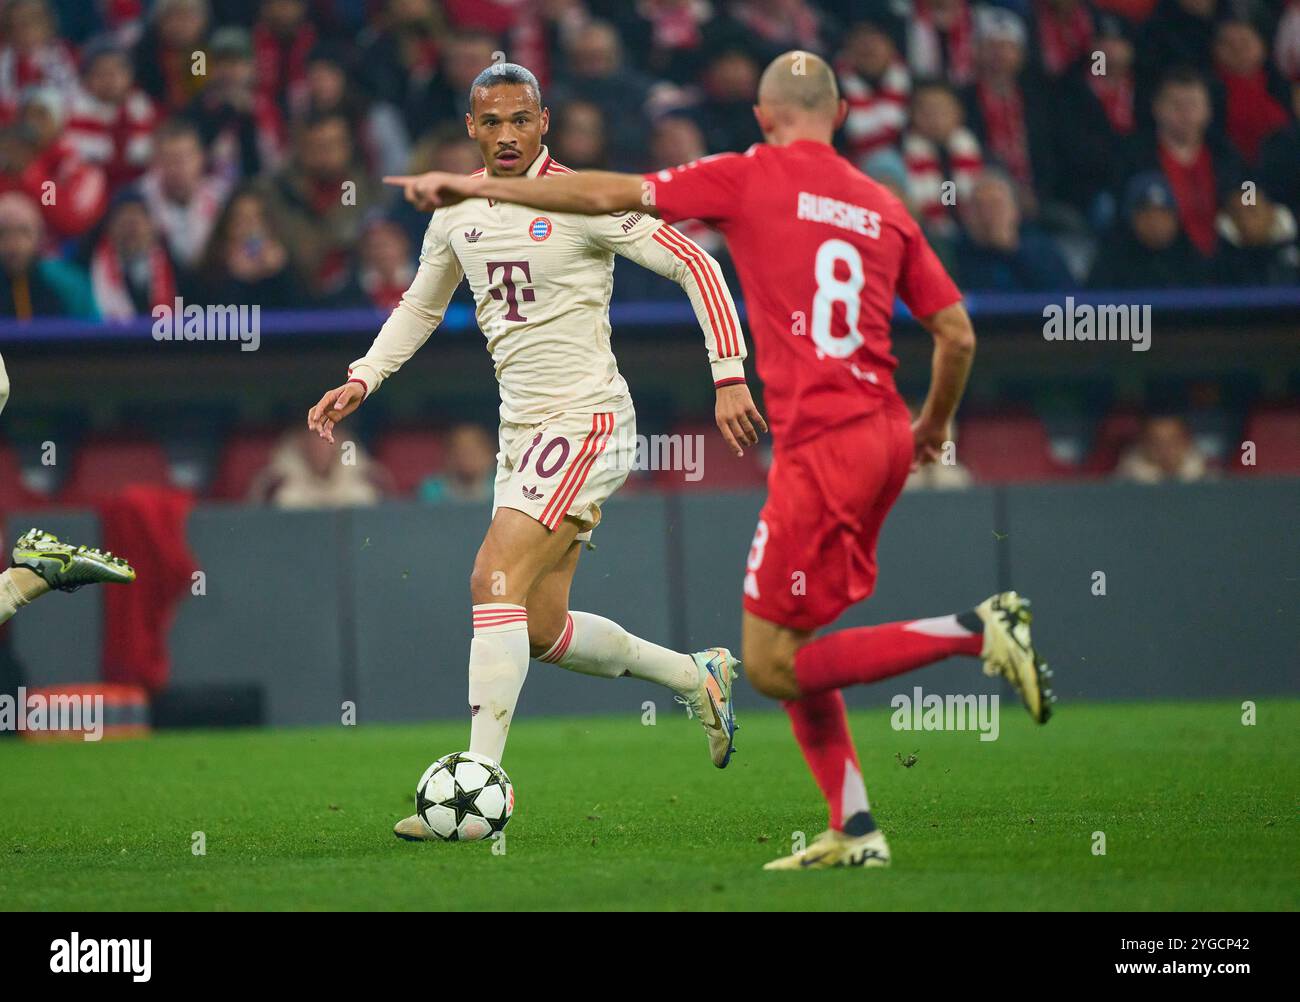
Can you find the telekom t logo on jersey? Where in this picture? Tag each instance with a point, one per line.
(512, 298)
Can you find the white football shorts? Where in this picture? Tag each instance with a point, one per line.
(570, 464)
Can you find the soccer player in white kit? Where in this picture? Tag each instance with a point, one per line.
(542, 285)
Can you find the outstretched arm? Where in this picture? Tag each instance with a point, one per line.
(590, 193)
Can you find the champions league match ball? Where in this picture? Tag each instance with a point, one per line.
(464, 797)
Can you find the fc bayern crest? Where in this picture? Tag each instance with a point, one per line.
(540, 228)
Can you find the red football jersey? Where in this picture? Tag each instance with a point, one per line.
(821, 250)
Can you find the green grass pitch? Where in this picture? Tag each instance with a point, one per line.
(1198, 811)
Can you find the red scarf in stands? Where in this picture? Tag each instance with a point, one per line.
(935, 52)
(1063, 40)
(1253, 114)
(1115, 93)
(1004, 129)
(282, 66)
(109, 284)
(1196, 194)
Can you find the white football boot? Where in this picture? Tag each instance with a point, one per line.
(834, 849)
(711, 702)
(1009, 652)
(413, 829)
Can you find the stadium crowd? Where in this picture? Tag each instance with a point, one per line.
(229, 151)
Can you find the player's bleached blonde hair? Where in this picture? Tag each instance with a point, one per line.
(800, 80)
(505, 73)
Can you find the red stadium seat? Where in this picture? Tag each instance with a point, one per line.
(721, 471)
(1276, 434)
(102, 467)
(13, 494)
(411, 455)
(1007, 449)
(245, 455)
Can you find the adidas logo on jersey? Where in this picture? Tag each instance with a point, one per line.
(473, 235)
(532, 494)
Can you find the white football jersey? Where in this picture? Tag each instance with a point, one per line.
(542, 283)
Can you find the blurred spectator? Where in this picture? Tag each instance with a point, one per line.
(595, 70)
(1251, 111)
(1163, 452)
(1116, 89)
(887, 167)
(577, 137)
(242, 129)
(183, 198)
(536, 31)
(449, 149)
(1179, 34)
(941, 41)
(876, 83)
(999, 252)
(320, 199)
(445, 149)
(677, 139)
(1012, 122)
(111, 121)
(399, 57)
(36, 158)
(1091, 116)
(164, 56)
(667, 38)
(130, 269)
(32, 54)
(282, 39)
(1148, 249)
(377, 125)
(939, 150)
(730, 90)
(305, 471)
(469, 467)
(1279, 155)
(464, 57)
(1063, 31)
(1201, 169)
(246, 261)
(385, 266)
(34, 285)
(1259, 242)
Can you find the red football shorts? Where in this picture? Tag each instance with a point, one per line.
(814, 553)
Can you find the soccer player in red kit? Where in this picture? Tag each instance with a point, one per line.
(821, 251)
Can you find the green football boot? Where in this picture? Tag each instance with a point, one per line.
(65, 567)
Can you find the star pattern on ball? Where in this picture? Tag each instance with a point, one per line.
(462, 802)
(423, 803)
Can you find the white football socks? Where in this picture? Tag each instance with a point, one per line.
(593, 645)
(18, 586)
(498, 665)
